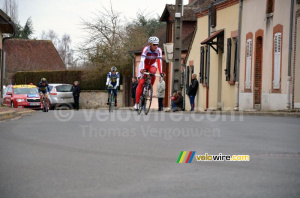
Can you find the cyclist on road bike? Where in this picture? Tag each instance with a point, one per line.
(112, 82)
(44, 89)
(150, 61)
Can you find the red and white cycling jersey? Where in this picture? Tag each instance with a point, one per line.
(150, 58)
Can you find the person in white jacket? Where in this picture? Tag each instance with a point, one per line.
(160, 93)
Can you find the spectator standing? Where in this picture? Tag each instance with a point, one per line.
(133, 89)
(193, 88)
(76, 94)
(160, 93)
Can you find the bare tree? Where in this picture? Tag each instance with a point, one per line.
(10, 7)
(51, 35)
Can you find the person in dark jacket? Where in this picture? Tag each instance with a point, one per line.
(76, 94)
(193, 91)
(178, 102)
(133, 88)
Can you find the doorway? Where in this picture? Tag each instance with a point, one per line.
(258, 72)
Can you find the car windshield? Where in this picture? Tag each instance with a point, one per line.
(64, 88)
(26, 90)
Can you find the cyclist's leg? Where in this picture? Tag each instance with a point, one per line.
(108, 96)
(116, 95)
(153, 70)
(41, 97)
(139, 90)
(47, 100)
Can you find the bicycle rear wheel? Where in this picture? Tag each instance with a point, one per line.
(148, 99)
(111, 102)
(45, 105)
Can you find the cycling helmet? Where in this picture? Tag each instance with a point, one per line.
(153, 40)
(43, 80)
(113, 69)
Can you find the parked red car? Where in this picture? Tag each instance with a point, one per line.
(22, 96)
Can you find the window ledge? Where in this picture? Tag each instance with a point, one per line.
(231, 82)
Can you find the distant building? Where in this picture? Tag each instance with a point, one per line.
(31, 55)
(7, 26)
(264, 57)
(212, 54)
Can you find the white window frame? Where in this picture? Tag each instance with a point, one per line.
(248, 64)
(277, 60)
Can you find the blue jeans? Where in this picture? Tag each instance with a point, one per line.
(192, 102)
(173, 105)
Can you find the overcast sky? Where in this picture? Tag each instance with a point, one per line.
(63, 16)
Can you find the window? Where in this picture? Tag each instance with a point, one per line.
(277, 52)
(171, 33)
(248, 64)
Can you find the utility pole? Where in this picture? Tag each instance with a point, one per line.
(176, 74)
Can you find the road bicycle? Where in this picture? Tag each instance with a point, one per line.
(44, 103)
(146, 96)
(111, 98)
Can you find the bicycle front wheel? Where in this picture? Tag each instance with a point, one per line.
(111, 103)
(141, 104)
(148, 99)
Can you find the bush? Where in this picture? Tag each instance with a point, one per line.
(88, 79)
(34, 77)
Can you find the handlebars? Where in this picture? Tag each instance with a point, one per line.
(147, 73)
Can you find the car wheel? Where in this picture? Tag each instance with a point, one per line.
(51, 107)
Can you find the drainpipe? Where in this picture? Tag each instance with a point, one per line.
(208, 65)
(3, 58)
(289, 78)
(237, 84)
(184, 87)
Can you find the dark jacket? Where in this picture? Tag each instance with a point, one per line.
(179, 102)
(133, 89)
(76, 91)
(193, 87)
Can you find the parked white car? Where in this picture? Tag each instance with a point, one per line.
(61, 95)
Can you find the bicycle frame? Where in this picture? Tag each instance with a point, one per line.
(111, 99)
(147, 93)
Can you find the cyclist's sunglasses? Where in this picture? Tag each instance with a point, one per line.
(155, 44)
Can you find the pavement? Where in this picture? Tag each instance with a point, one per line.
(7, 113)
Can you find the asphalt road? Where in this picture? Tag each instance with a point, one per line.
(70, 154)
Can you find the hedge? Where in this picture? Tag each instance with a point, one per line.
(89, 80)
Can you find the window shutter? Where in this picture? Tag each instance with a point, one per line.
(202, 65)
(277, 53)
(228, 61)
(248, 64)
(187, 77)
(213, 16)
(235, 60)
